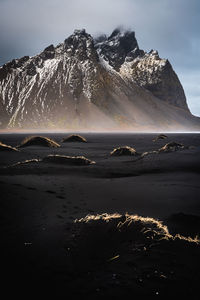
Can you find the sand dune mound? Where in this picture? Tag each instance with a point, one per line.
(160, 137)
(4, 147)
(68, 160)
(38, 141)
(129, 251)
(24, 162)
(137, 227)
(125, 150)
(172, 146)
(74, 138)
(56, 159)
(111, 236)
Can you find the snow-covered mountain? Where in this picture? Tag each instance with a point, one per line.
(106, 83)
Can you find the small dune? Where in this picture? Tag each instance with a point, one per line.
(38, 141)
(24, 162)
(171, 147)
(74, 138)
(120, 242)
(125, 150)
(68, 160)
(144, 228)
(4, 147)
(56, 159)
(160, 137)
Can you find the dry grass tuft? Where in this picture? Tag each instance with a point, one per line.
(24, 162)
(38, 141)
(131, 253)
(143, 227)
(74, 138)
(171, 147)
(125, 150)
(57, 159)
(4, 147)
(68, 160)
(160, 137)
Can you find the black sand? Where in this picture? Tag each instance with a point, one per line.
(40, 201)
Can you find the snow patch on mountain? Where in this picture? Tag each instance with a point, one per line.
(85, 83)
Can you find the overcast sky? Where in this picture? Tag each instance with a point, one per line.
(169, 26)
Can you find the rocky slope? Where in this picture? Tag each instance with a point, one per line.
(102, 84)
(156, 75)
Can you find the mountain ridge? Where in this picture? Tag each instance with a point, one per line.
(85, 83)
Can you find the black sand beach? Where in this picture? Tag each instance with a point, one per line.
(42, 247)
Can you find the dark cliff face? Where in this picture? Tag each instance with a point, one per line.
(117, 47)
(156, 75)
(146, 69)
(108, 84)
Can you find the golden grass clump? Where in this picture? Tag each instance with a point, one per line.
(125, 150)
(132, 251)
(171, 147)
(74, 138)
(68, 160)
(160, 137)
(4, 147)
(24, 162)
(38, 141)
(142, 227)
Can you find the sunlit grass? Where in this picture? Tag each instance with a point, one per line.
(74, 138)
(4, 147)
(149, 227)
(57, 159)
(38, 141)
(125, 150)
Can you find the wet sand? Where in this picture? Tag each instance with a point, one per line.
(40, 201)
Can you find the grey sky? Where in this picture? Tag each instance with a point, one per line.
(169, 26)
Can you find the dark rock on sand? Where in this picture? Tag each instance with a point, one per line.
(69, 160)
(125, 150)
(38, 141)
(4, 147)
(160, 137)
(172, 146)
(74, 138)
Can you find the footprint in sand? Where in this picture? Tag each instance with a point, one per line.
(60, 217)
(60, 197)
(17, 184)
(31, 188)
(76, 207)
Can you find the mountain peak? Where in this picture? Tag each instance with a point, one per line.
(106, 83)
(120, 32)
(116, 32)
(115, 48)
(81, 45)
(80, 32)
